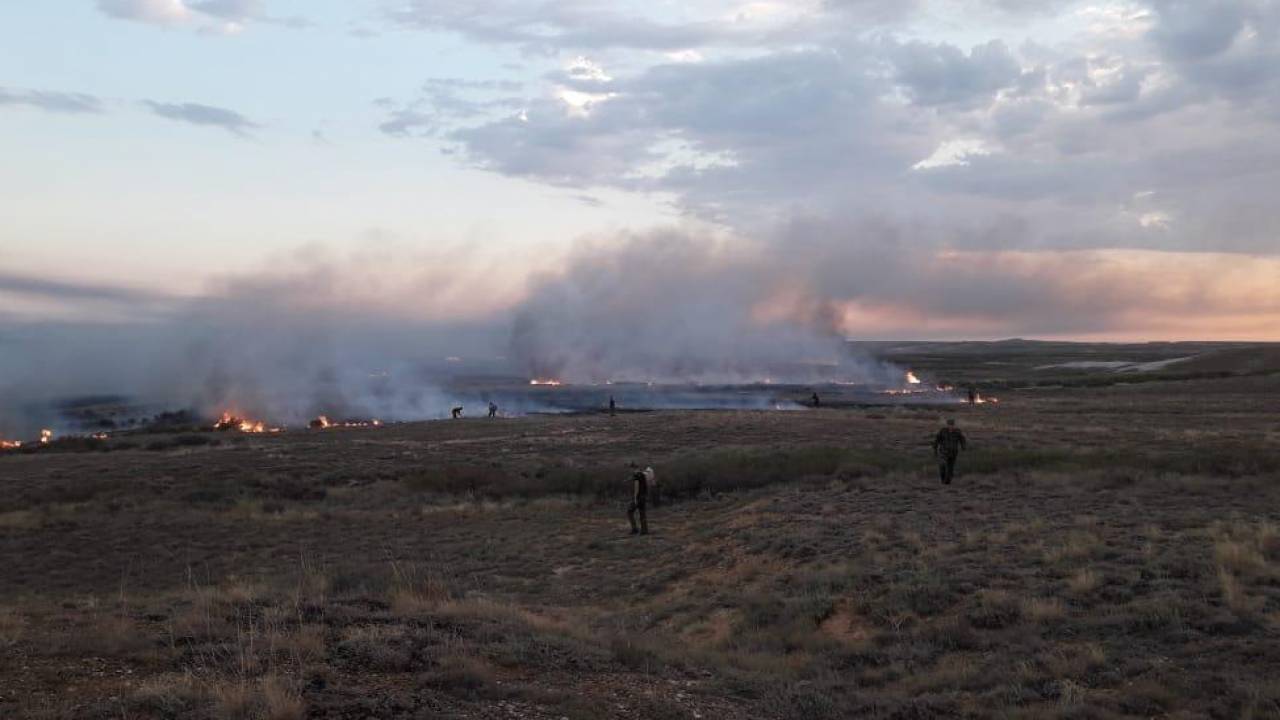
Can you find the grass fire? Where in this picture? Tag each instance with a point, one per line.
(617, 360)
(948, 558)
(230, 421)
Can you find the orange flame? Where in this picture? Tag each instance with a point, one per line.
(544, 381)
(45, 436)
(10, 444)
(231, 422)
(322, 422)
(912, 379)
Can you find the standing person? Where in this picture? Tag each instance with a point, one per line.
(493, 409)
(947, 445)
(639, 498)
(613, 406)
(973, 395)
(817, 402)
(456, 412)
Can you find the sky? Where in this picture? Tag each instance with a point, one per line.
(915, 169)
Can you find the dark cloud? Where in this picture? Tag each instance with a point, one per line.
(406, 123)
(1198, 29)
(56, 102)
(66, 291)
(747, 126)
(1059, 138)
(206, 115)
(941, 74)
(1225, 48)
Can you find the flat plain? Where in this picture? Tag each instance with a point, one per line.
(1108, 550)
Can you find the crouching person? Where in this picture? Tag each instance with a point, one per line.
(639, 501)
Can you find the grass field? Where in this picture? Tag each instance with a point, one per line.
(1106, 552)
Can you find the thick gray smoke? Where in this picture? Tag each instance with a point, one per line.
(663, 308)
(670, 308)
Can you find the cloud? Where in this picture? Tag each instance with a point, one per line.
(831, 121)
(942, 74)
(444, 101)
(219, 16)
(207, 115)
(404, 123)
(55, 102)
(1199, 29)
(159, 12)
(65, 290)
(548, 27)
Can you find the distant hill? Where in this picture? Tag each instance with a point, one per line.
(1019, 361)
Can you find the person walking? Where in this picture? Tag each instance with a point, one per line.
(947, 445)
(639, 500)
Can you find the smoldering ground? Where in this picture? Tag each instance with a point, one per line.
(352, 338)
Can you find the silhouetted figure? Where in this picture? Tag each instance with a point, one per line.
(973, 395)
(817, 402)
(493, 409)
(613, 406)
(639, 498)
(457, 412)
(947, 445)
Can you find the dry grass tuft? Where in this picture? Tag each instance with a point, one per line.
(21, 520)
(12, 627)
(281, 700)
(102, 635)
(416, 590)
(268, 698)
(1084, 582)
(1234, 594)
(1240, 558)
(1269, 541)
(168, 695)
(1242, 551)
(1044, 610)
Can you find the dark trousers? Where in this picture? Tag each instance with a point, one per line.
(638, 505)
(946, 468)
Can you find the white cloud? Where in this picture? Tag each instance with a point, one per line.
(1155, 220)
(160, 12)
(953, 152)
(1117, 20)
(225, 17)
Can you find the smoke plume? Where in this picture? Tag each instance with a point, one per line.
(338, 337)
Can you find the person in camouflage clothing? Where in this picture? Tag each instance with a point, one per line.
(947, 445)
(639, 500)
